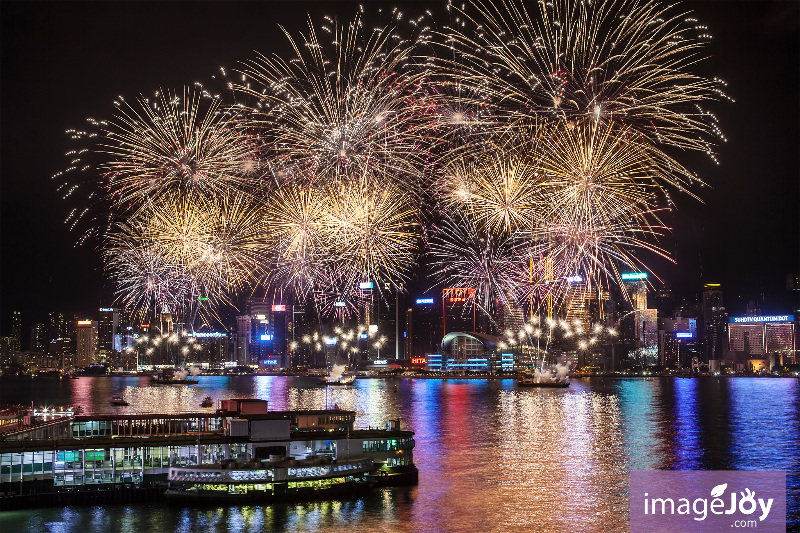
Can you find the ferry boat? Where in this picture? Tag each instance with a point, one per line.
(545, 384)
(119, 400)
(278, 479)
(168, 379)
(241, 452)
(207, 402)
(341, 381)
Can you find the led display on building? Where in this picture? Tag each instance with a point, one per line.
(634, 275)
(759, 319)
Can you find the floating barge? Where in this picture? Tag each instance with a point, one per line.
(162, 379)
(544, 384)
(241, 452)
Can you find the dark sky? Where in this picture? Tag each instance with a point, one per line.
(65, 61)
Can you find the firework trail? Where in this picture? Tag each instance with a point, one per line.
(502, 189)
(542, 141)
(146, 282)
(296, 216)
(188, 145)
(375, 230)
(211, 248)
(338, 112)
(341, 233)
(465, 255)
(571, 61)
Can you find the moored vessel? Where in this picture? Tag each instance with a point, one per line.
(170, 379)
(343, 379)
(544, 384)
(241, 452)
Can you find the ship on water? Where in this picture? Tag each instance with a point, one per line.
(171, 377)
(338, 381)
(242, 452)
(527, 382)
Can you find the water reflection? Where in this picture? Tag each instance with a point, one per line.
(491, 457)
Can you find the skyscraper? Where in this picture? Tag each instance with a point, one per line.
(388, 325)
(241, 348)
(645, 320)
(424, 335)
(758, 336)
(459, 310)
(107, 328)
(714, 326)
(16, 331)
(39, 341)
(260, 312)
(58, 326)
(281, 333)
(86, 345)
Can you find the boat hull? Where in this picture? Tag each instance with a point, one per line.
(280, 494)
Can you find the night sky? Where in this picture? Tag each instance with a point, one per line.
(65, 61)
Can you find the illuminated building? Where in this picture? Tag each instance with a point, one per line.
(261, 330)
(468, 352)
(16, 332)
(6, 356)
(458, 309)
(301, 325)
(281, 333)
(38, 361)
(388, 323)
(677, 342)
(213, 347)
(107, 328)
(586, 307)
(241, 346)
(409, 333)
(715, 319)
(58, 326)
(644, 349)
(39, 341)
(771, 335)
(86, 344)
(423, 327)
(63, 350)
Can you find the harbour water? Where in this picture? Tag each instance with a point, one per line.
(491, 457)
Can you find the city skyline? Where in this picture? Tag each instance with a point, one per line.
(745, 236)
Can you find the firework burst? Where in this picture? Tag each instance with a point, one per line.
(465, 255)
(299, 241)
(541, 140)
(210, 248)
(570, 61)
(339, 111)
(188, 145)
(374, 232)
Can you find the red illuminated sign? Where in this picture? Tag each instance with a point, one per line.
(280, 307)
(458, 294)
